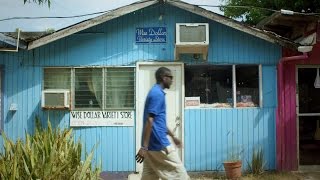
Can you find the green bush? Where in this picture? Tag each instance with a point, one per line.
(48, 154)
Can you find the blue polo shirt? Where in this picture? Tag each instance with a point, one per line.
(155, 104)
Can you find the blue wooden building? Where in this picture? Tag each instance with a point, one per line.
(222, 103)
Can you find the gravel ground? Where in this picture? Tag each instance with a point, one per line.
(265, 176)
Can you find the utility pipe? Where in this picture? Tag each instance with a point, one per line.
(280, 114)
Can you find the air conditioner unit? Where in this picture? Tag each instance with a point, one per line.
(192, 38)
(192, 34)
(55, 99)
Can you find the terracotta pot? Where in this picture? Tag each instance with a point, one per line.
(233, 169)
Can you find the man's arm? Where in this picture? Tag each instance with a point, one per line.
(146, 138)
(174, 138)
(147, 131)
(170, 133)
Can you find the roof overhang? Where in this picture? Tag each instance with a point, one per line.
(12, 41)
(291, 26)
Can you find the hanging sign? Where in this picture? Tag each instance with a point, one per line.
(151, 35)
(101, 118)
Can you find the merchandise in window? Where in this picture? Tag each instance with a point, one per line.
(247, 90)
(213, 84)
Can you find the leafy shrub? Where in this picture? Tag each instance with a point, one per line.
(48, 154)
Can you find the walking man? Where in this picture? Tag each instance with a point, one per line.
(161, 160)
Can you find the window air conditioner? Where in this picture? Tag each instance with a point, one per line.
(192, 38)
(55, 99)
(192, 34)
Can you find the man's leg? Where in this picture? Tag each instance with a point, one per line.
(148, 172)
(167, 164)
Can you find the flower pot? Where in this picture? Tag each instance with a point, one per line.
(233, 169)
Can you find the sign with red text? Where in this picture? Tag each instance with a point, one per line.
(192, 101)
(101, 118)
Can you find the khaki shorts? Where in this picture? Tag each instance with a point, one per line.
(164, 164)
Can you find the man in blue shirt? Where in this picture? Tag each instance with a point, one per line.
(161, 160)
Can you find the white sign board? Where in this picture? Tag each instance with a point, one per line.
(101, 118)
(192, 101)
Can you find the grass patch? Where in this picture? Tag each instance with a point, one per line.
(273, 176)
(264, 176)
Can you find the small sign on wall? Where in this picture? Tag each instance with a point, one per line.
(151, 35)
(192, 101)
(101, 118)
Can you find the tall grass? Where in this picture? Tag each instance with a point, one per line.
(257, 164)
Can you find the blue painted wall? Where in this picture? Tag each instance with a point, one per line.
(113, 43)
(213, 135)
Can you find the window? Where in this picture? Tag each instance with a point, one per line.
(88, 88)
(217, 88)
(213, 84)
(247, 90)
(94, 88)
(119, 85)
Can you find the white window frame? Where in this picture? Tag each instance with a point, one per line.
(72, 86)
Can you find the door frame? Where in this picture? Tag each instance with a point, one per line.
(139, 112)
(302, 167)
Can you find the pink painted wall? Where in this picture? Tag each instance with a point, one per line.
(287, 147)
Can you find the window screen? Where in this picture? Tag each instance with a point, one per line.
(119, 85)
(88, 88)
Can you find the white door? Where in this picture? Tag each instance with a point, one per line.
(174, 99)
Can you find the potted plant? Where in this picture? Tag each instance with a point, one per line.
(233, 165)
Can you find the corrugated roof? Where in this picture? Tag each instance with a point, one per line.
(27, 36)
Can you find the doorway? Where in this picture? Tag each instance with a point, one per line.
(174, 99)
(308, 113)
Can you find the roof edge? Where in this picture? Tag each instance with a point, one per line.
(267, 36)
(90, 23)
(262, 34)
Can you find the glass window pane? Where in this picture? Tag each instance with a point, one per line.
(247, 80)
(120, 91)
(57, 78)
(88, 88)
(213, 84)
